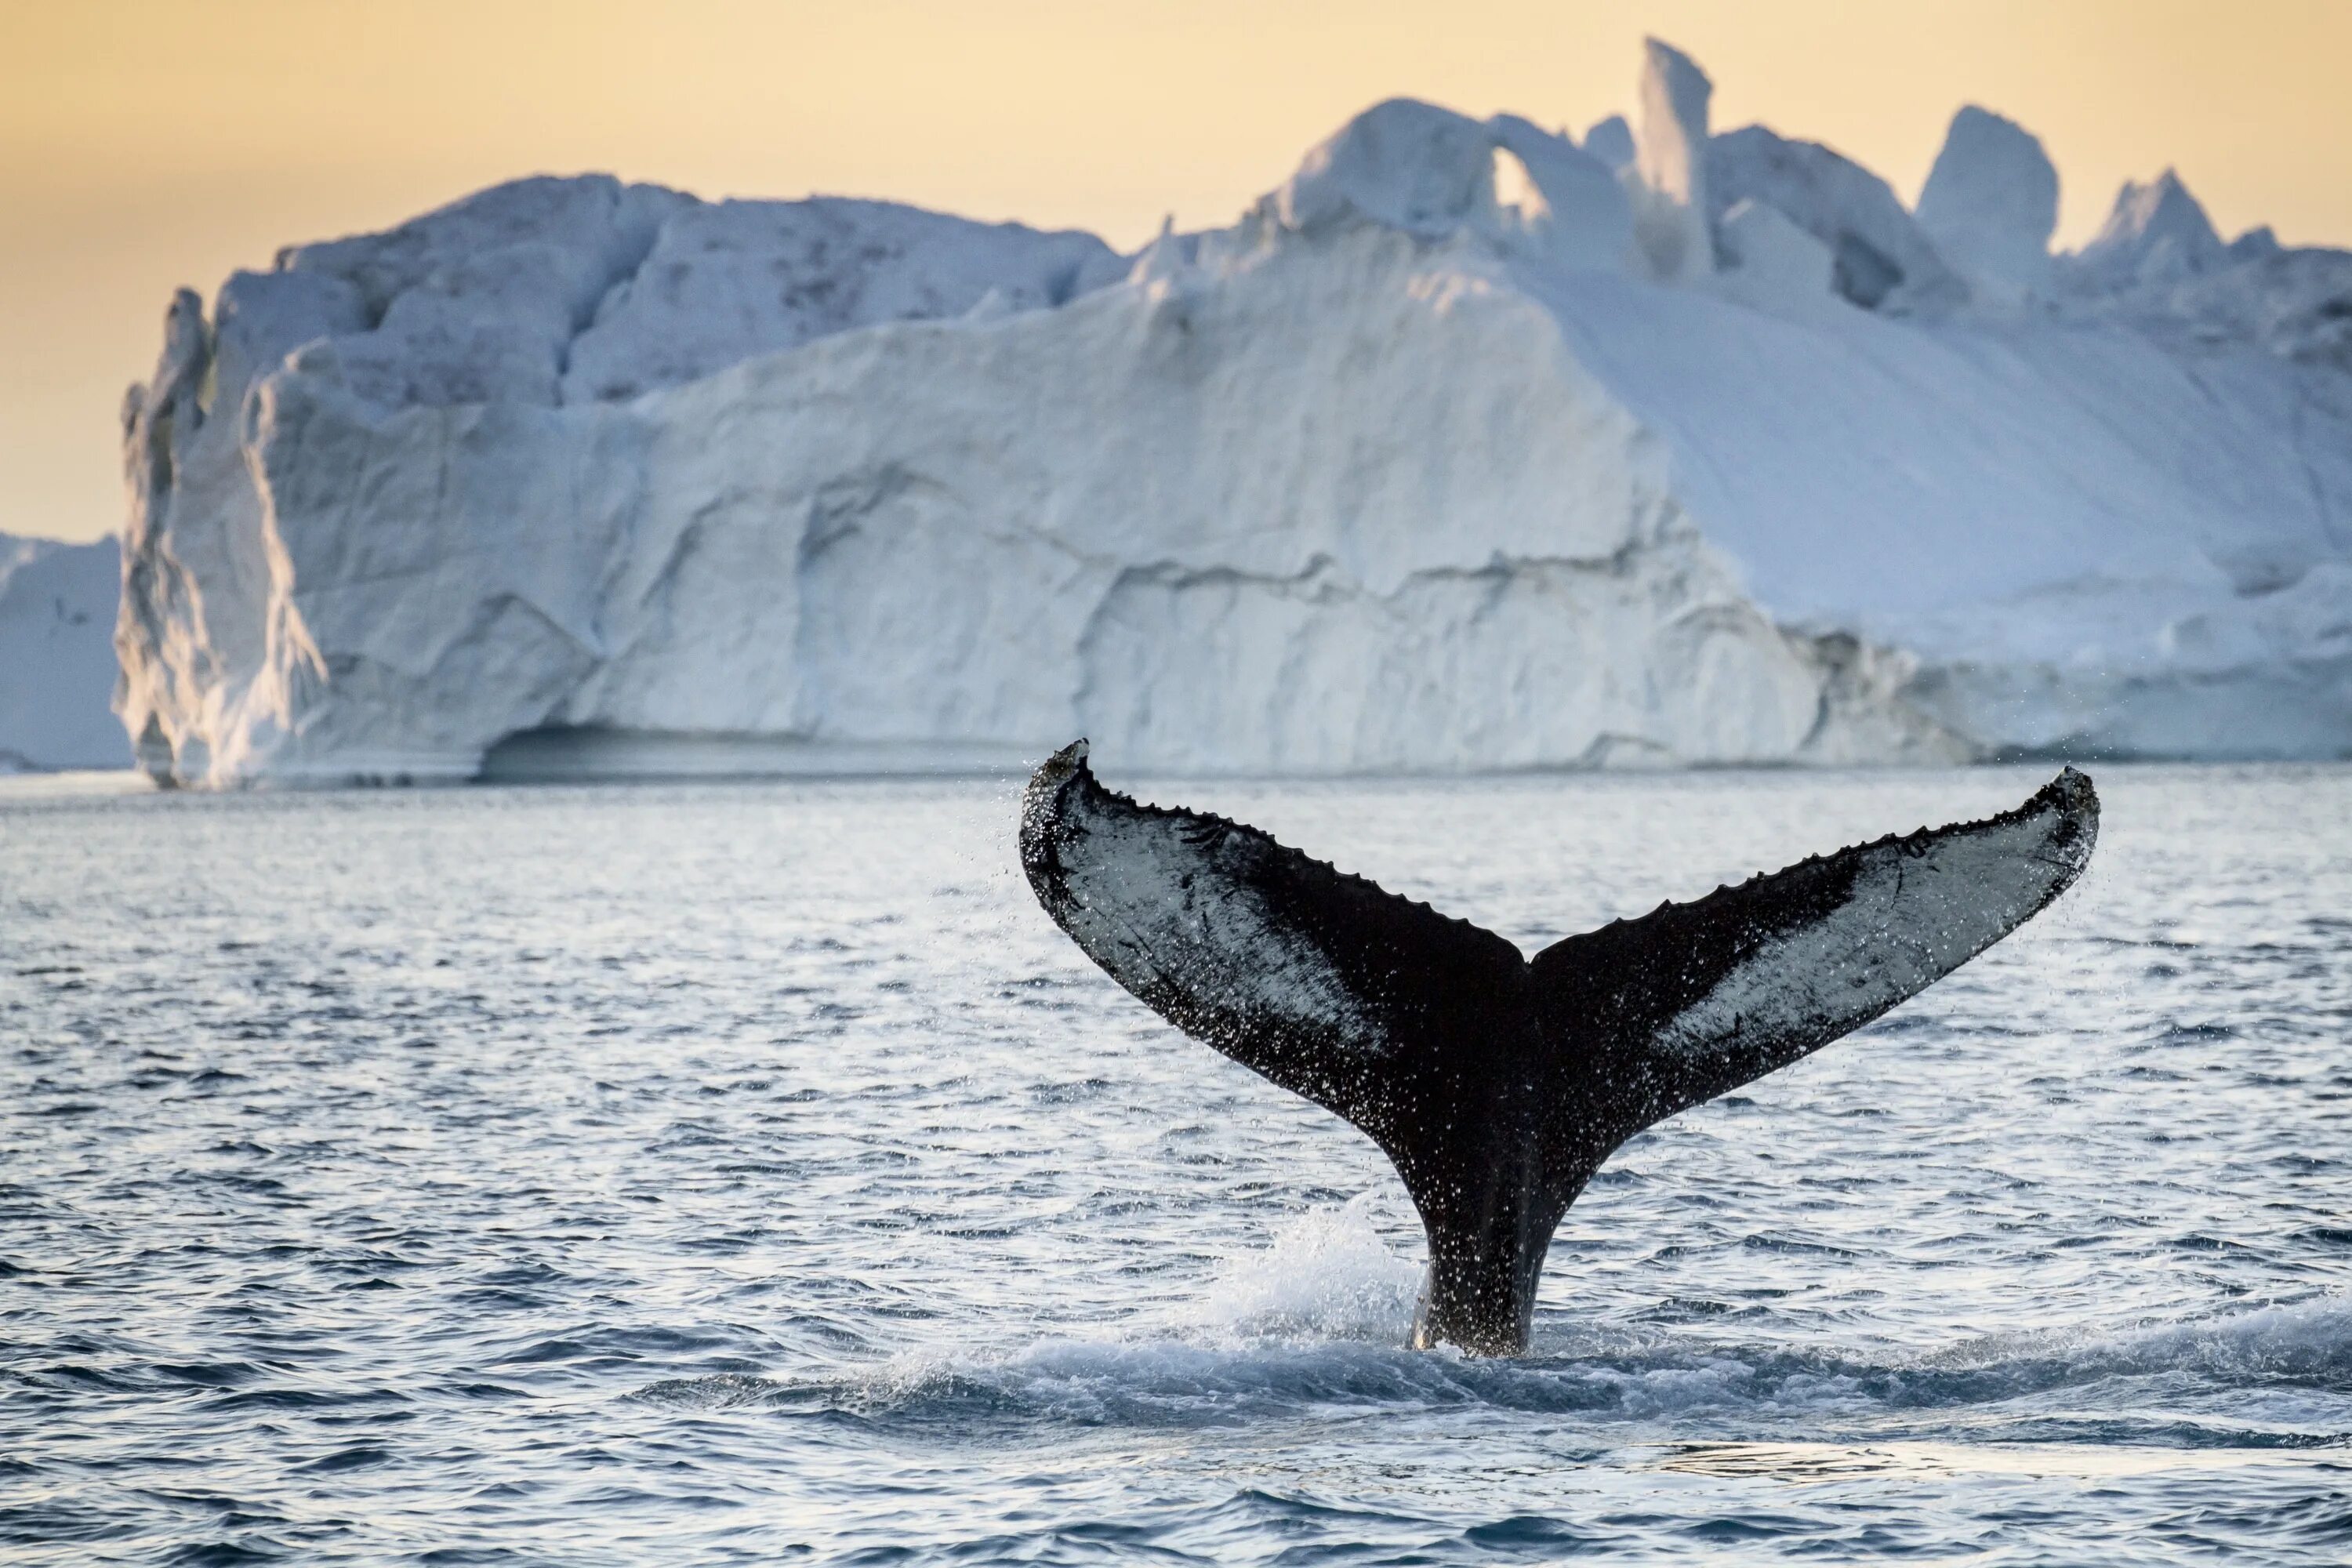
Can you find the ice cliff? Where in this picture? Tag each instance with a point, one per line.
(1469, 446)
(57, 655)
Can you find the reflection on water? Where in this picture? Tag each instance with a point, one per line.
(736, 1171)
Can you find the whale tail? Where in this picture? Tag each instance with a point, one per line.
(1498, 1084)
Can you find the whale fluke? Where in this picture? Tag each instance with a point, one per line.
(1498, 1084)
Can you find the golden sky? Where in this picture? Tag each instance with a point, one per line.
(148, 144)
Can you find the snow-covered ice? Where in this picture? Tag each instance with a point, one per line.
(1467, 447)
(1570, 206)
(1771, 264)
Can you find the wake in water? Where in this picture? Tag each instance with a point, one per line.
(1317, 1321)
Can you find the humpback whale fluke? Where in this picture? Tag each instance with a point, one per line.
(1498, 1084)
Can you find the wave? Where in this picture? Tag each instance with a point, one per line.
(1317, 1323)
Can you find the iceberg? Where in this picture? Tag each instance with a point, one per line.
(1465, 448)
(1611, 141)
(1772, 265)
(1670, 172)
(1991, 205)
(57, 605)
(1880, 257)
(2157, 232)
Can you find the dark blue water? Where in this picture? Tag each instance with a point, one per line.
(751, 1173)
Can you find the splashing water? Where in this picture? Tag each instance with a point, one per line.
(1330, 1274)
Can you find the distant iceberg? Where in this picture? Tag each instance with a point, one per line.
(57, 655)
(1468, 447)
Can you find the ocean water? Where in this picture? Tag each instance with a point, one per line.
(751, 1173)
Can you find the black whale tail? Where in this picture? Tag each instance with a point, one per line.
(1497, 1084)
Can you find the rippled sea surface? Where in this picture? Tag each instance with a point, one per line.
(750, 1172)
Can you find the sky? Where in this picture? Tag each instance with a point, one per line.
(145, 144)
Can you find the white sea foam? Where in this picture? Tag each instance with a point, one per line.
(1293, 1338)
(2301, 1340)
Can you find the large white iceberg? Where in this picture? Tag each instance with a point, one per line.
(57, 655)
(1435, 460)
